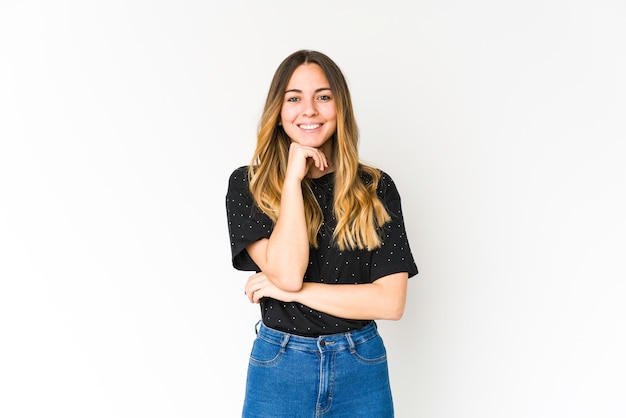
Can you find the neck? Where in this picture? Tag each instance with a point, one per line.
(316, 173)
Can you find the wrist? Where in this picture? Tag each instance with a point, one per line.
(292, 181)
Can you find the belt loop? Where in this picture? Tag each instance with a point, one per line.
(283, 342)
(350, 342)
(256, 327)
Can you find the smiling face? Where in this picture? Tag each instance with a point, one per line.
(309, 113)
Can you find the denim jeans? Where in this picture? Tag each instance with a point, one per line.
(339, 375)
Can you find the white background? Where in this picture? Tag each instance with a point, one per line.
(501, 122)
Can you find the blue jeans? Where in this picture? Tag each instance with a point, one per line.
(339, 375)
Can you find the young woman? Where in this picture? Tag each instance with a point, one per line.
(326, 236)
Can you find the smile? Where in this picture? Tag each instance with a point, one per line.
(310, 126)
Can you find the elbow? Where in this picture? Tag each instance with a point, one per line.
(287, 284)
(290, 286)
(395, 314)
(393, 290)
(395, 310)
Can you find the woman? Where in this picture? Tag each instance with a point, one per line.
(325, 234)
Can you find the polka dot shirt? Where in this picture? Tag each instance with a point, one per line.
(327, 264)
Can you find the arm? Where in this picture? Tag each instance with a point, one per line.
(385, 298)
(284, 256)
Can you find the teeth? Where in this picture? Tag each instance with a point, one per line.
(313, 126)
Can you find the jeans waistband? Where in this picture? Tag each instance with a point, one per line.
(331, 342)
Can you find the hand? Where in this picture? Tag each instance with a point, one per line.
(259, 286)
(301, 158)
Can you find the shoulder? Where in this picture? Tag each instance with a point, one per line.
(386, 187)
(367, 175)
(238, 184)
(238, 177)
(385, 181)
(239, 173)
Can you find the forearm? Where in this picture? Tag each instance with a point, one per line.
(383, 299)
(285, 255)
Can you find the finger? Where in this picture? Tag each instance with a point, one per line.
(324, 160)
(249, 293)
(319, 163)
(251, 286)
(319, 158)
(258, 295)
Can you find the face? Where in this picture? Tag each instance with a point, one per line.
(309, 114)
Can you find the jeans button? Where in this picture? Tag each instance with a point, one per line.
(322, 343)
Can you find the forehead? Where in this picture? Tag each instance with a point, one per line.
(308, 75)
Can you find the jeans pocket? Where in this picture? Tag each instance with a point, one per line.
(265, 353)
(371, 351)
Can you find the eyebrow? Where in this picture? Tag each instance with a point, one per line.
(300, 91)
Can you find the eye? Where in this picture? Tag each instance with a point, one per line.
(324, 98)
(293, 99)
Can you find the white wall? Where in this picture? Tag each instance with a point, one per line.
(501, 122)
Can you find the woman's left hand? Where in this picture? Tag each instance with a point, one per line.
(259, 286)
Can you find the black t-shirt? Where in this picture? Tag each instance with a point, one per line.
(327, 264)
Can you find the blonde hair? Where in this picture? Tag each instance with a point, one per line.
(356, 207)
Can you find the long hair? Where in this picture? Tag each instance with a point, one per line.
(358, 210)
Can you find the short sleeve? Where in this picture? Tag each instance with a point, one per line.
(394, 255)
(246, 222)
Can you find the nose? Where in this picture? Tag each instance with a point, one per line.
(309, 108)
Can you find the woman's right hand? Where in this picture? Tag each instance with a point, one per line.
(301, 159)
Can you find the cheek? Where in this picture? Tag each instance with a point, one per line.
(330, 113)
(287, 115)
